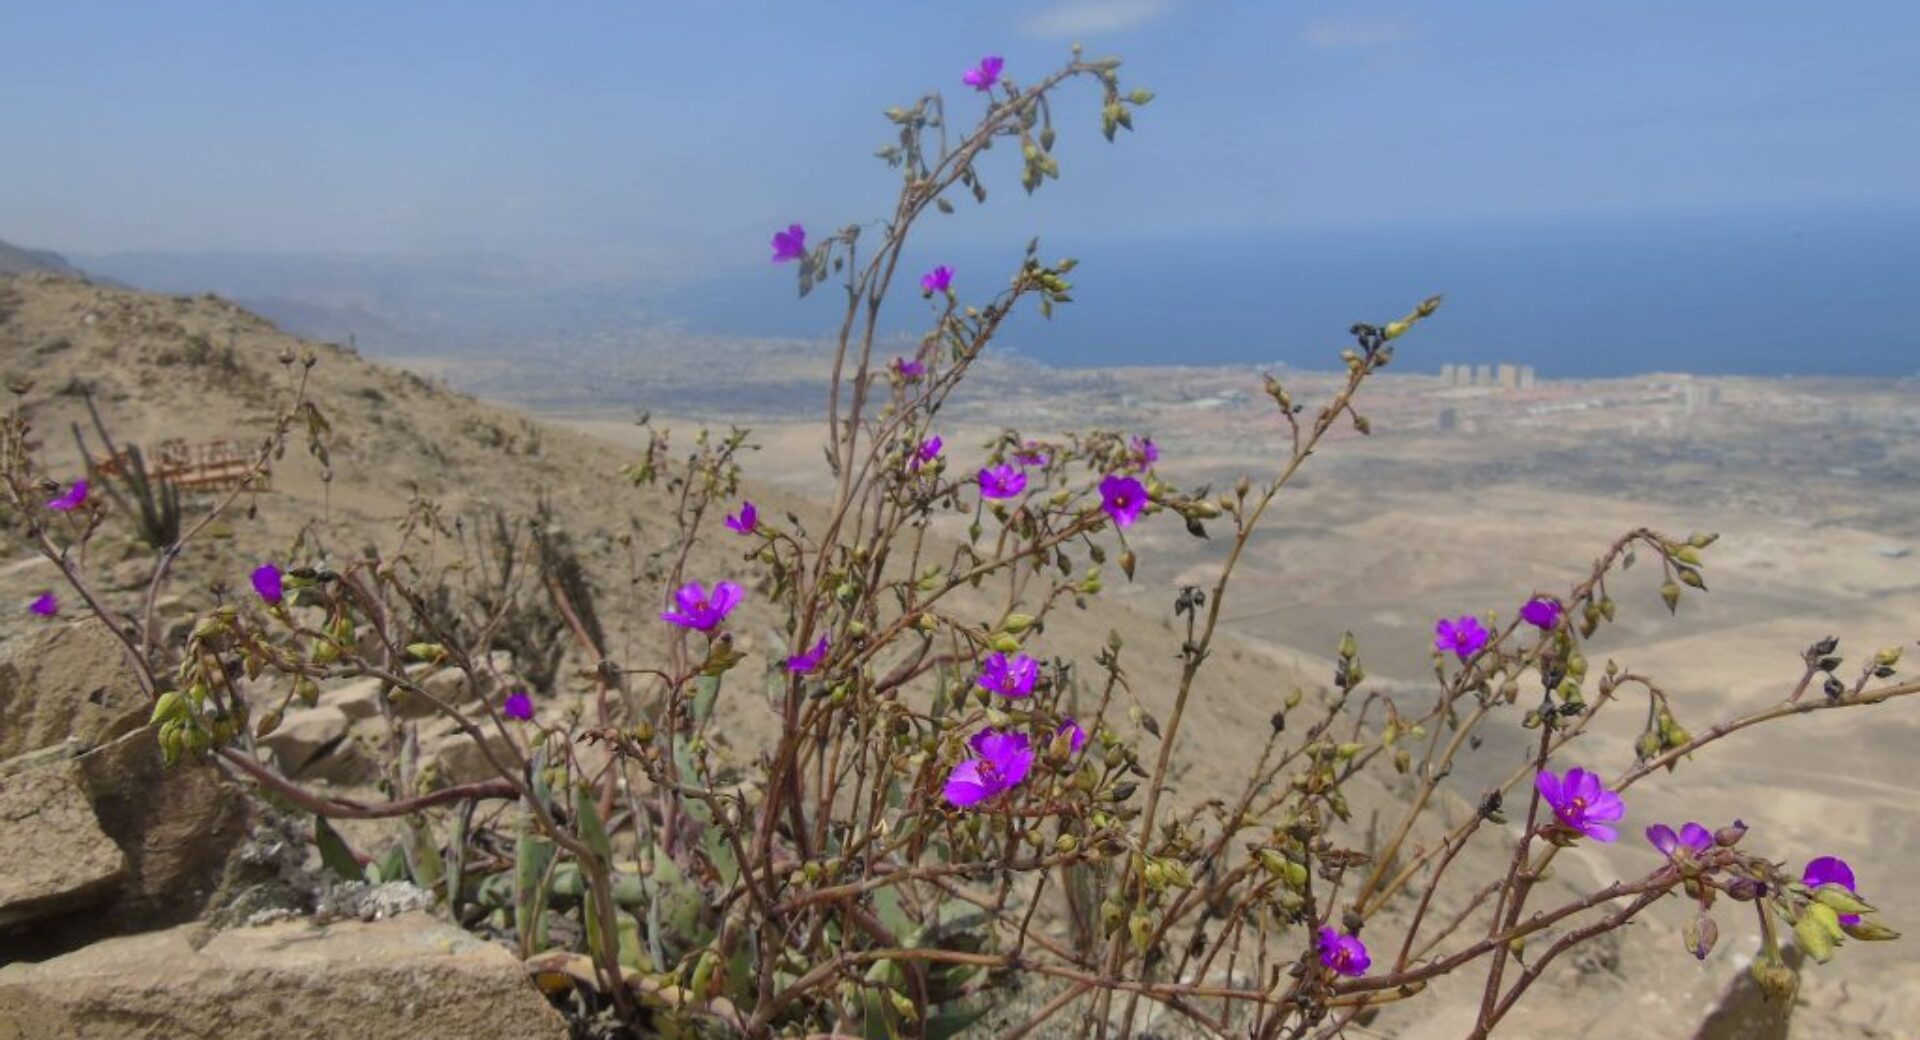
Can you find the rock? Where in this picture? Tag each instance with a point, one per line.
(1744, 1013)
(58, 859)
(317, 744)
(455, 757)
(65, 682)
(359, 699)
(403, 978)
(177, 824)
(494, 673)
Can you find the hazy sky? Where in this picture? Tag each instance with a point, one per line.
(687, 131)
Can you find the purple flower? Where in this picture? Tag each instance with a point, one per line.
(790, 244)
(1541, 613)
(1000, 762)
(801, 664)
(699, 610)
(46, 604)
(938, 280)
(746, 520)
(267, 582)
(1146, 452)
(1693, 840)
(74, 498)
(984, 75)
(1076, 737)
(1345, 954)
(1002, 481)
(1581, 803)
(1032, 454)
(1009, 677)
(1464, 636)
(909, 369)
(518, 706)
(1831, 870)
(928, 450)
(1123, 498)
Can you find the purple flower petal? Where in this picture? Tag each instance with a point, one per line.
(1076, 737)
(1663, 838)
(965, 787)
(1541, 613)
(938, 280)
(1344, 954)
(1582, 804)
(518, 706)
(1696, 837)
(1009, 676)
(744, 521)
(74, 497)
(928, 451)
(46, 604)
(1828, 870)
(984, 75)
(800, 664)
(268, 584)
(1002, 481)
(1123, 498)
(790, 244)
(697, 609)
(1549, 787)
(1145, 451)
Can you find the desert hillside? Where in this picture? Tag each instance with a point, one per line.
(201, 369)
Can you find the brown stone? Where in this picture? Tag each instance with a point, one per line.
(57, 858)
(404, 978)
(67, 681)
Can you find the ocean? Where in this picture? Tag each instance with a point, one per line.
(1810, 293)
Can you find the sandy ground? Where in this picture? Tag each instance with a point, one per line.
(1384, 535)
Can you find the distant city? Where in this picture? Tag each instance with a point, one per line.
(1511, 377)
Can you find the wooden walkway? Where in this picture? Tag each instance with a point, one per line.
(210, 466)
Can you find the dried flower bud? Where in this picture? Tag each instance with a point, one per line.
(1699, 936)
(1729, 836)
(1778, 983)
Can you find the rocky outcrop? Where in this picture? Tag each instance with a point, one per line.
(403, 978)
(58, 859)
(66, 682)
(90, 818)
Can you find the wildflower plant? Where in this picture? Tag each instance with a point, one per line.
(937, 780)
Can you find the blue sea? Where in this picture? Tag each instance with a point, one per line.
(1784, 293)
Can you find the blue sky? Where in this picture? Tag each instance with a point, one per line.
(679, 133)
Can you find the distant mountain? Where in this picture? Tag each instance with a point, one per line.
(399, 304)
(20, 260)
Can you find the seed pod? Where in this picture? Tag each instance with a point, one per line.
(1699, 936)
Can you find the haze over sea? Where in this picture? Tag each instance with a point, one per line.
(1781, 293)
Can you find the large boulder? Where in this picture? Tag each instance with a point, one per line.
(403, 978)
(82, 767)
(57, 857)
(66, 682)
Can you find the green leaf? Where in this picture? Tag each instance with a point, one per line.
(531, 856)
(335, 856)
(392, 866)
(423, 855)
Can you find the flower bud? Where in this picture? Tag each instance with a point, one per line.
(1815, 931)
(1745, 890)
(1778, 983)
(1670, 594)
(1729, 836)
(1836, 897)
(1869, 931)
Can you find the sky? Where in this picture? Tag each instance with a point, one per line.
(675, 136)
